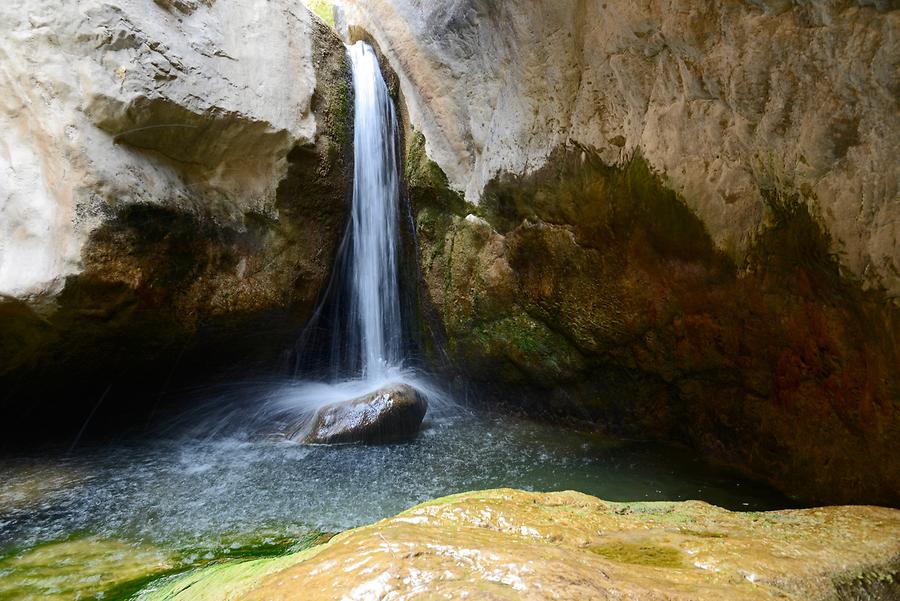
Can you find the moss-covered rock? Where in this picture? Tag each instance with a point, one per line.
(84, 568)
(507, 544)
(593, 291)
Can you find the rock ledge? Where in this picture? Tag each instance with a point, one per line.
(505, 544)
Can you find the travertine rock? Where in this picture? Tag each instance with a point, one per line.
(174, 182)
(722, 97)
(507, 544)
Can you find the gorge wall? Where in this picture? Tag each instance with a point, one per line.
(174, 180)
(673, 219)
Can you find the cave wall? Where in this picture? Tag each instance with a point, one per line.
(593, 292)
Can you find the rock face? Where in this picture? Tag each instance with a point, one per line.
(386, 415)
(665, 227)
(509, 544)
(497, 87)
(166, 168)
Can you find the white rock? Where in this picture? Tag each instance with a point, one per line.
(191, 103)
(721, 97)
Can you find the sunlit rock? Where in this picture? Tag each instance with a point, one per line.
(391, 413)
(507, 544)
(497, 87)
(166, 167)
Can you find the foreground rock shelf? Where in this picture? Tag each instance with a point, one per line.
(505, 544)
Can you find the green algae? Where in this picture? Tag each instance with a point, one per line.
(114, 570)
(428, 185)
(529, 344)
(228, 577)
(872, 582)
(79, 568)
(217, 581)
(656, 556)
(702, 533)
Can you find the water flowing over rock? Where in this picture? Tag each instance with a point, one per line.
(386, 415)
(368, 337)
(507, 544)
(361, 318)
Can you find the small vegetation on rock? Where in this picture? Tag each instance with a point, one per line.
(322, 9)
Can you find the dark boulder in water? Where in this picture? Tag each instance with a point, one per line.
(392, 413)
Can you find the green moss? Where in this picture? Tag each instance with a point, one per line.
(655, 556)
(872, 582)
(341, 114)
(116, 570)
(427, 183)
(526, 336)
(322, 9)
(793, 240)
(535, 351)
(79, 569)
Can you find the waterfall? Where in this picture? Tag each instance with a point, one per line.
(357, 331)
(374, 282)
(356, 342)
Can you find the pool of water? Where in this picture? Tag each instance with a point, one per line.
(215, 493)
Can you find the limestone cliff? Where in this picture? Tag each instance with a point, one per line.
(722, 97)
(164, 167)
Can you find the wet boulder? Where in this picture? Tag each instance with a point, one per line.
(389, 414)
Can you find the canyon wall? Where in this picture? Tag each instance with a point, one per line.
(167, 169)
(672, 219)
(723, 98)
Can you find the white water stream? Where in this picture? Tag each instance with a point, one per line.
(374, 344)
(355, 340)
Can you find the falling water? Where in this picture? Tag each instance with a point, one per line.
(355, 339)
(356, 342)
(374, 343)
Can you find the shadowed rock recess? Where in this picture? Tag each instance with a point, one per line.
(653, 222)
(174, 210)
